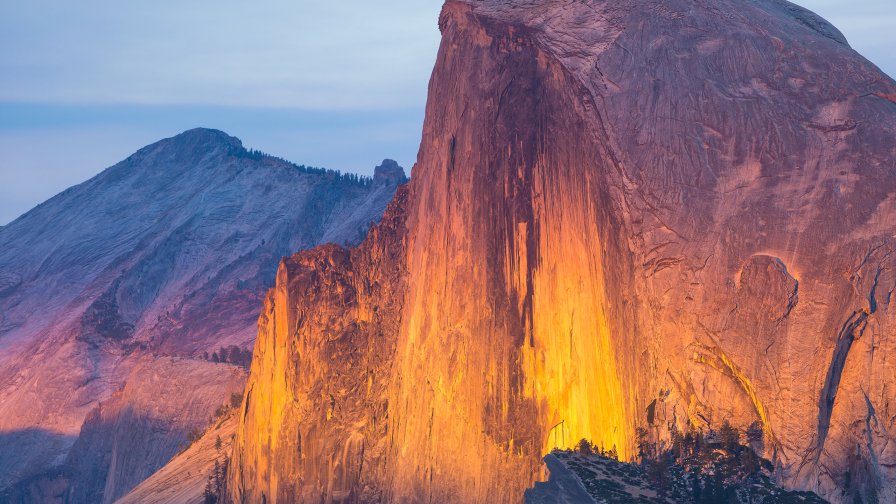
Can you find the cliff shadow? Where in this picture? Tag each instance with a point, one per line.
(24, 457)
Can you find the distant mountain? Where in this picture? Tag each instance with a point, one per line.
(119, 287)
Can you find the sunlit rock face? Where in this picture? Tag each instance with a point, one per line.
(166, 254)
(315, 412)
(624, 214)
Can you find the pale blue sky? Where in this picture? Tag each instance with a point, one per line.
(336, 84)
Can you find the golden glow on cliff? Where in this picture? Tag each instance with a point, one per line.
(721, 362)
(570, 367)
(572, 375)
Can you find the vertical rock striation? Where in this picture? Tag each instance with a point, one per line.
(315, 410)
(681, 207)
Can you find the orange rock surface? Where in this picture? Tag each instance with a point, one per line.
(618, 207)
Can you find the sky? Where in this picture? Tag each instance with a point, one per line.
(335, 84)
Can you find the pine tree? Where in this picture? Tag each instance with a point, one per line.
(644, 451)
(729, 437)
(209, 495)
(756, 436)
(584, 447)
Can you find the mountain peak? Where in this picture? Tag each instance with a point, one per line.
(191, 146)
(199, 137)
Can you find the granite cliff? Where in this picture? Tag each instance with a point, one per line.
(112, 292)
(637, 213)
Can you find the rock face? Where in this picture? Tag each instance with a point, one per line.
(183, 480)
(166, 254)
(137, 430)
(624, 214)
(315, 413)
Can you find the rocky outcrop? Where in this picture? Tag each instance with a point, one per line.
(616, 205)
(389, 173)
(166, 254)
(562, 487)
